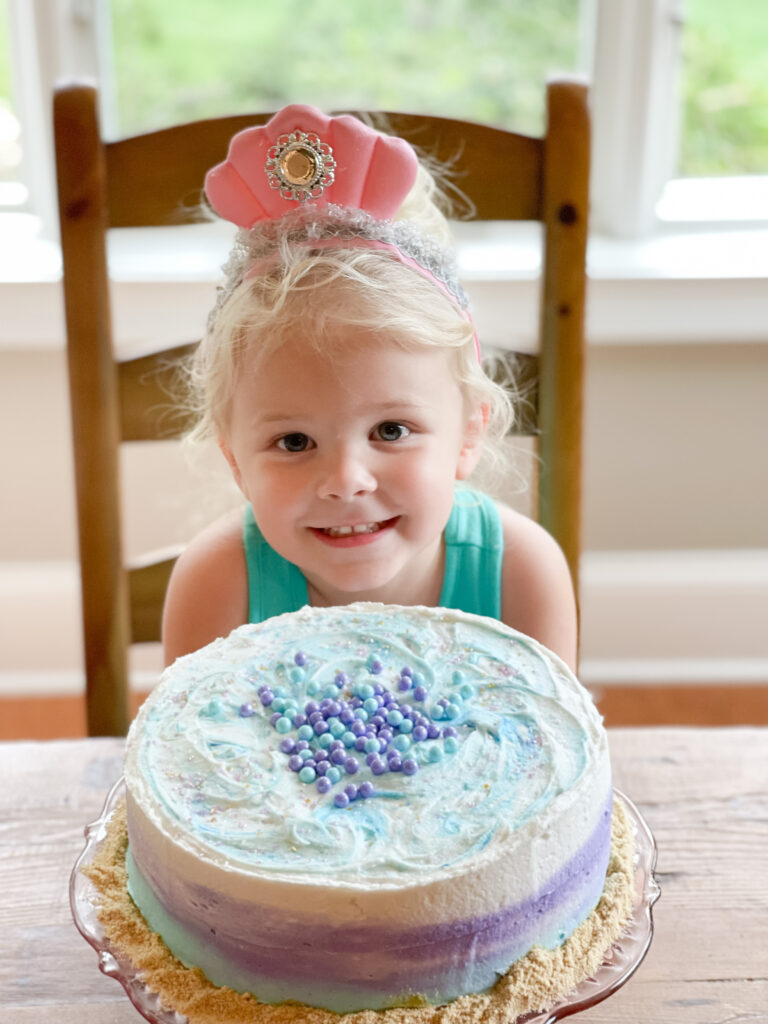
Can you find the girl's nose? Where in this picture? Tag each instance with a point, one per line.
(344, 476)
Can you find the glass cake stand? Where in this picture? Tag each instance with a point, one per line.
(620, 962)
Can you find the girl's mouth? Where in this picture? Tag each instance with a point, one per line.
(352, 535)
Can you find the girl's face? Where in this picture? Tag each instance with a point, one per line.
(349, 461)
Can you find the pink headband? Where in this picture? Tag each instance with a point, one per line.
(334, 183)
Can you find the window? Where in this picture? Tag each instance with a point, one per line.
(479, 59)
(653, 122)
(13, 193)
(725, 89)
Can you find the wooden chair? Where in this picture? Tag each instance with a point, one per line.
(105, 185)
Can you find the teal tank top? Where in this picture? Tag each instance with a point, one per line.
(473, 556)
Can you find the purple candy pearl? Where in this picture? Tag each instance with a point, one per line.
(410, 767)
(365, 789)
(300, 658)
(351, 765)
(246, 710)
(341, 800)
(323, 785)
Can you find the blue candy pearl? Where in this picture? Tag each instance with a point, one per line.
(305, 732)
(307, 774)
(283, 725)
(333, 773)
(451, 744)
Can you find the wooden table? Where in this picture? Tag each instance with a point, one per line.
(704, 792)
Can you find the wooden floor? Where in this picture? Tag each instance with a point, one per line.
(43, 718)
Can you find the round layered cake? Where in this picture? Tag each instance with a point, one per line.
(367, 806)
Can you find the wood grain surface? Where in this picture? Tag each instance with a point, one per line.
(704, 793)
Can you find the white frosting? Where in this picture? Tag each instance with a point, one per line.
(210, 791)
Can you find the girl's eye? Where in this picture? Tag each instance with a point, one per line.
(294, 443)
(391, 431)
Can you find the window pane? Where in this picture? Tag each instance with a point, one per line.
(482, 59)
(725, 61)
(12, 192)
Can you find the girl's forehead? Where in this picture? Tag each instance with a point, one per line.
(357, 367)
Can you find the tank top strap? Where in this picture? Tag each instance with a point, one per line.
(474, 551)
(275, 585)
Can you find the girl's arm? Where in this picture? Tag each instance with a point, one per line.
(536, 590)
(207, 595)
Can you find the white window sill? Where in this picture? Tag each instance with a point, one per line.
(692, 285)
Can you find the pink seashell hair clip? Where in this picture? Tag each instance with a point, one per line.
(302, 163)
(302, 154)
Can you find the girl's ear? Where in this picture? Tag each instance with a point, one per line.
(228, 454)
(474, 436)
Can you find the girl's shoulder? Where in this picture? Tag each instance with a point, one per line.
(537, 594)
(207, 594)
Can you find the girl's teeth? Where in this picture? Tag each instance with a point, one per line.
(347, 531)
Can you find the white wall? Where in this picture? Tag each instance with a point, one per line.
(675, 577)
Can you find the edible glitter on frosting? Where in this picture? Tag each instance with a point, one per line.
(495, 729)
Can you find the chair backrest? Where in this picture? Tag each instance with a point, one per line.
(105, 185)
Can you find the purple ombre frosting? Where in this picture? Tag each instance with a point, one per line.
(414, 886)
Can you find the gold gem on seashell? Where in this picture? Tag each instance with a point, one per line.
(300, 166)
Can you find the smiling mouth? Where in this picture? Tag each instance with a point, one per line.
(358, 530)
(349, 531)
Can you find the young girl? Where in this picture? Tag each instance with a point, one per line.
(340, 374)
